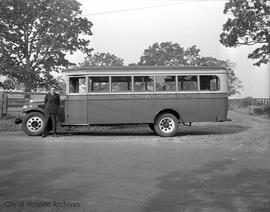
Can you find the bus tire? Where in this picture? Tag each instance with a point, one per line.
(33, 123)
(166, 125)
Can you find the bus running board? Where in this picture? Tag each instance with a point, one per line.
(189, 124)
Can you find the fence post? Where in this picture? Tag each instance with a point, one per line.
(5, 104)
(1, 103)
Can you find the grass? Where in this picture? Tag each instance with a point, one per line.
(258, 110)
(263, 110)
(7, 123)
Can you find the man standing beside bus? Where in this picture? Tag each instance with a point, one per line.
(52, 103)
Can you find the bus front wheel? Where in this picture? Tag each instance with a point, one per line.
(166, 125)
(33, 123)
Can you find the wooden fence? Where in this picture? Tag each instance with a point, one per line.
(13, 102)
(244, 102)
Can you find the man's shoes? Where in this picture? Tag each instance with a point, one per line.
(43, 135)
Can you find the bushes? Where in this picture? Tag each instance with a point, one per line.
(252, 106)
(7, 123)
(262, 110)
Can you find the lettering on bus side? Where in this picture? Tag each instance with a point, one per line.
(154, 96)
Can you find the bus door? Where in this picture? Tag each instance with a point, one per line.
(76, 101)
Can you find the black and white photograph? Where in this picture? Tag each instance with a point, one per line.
(135, 105)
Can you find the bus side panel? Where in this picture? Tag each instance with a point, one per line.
(143, 108)
(108, 111)
(144, 111)
(76, 109)
(202, 108)
(208, 107)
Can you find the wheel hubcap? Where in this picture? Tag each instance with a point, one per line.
(167, 125)
(34, 124)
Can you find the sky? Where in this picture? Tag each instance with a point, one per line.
(127, 27)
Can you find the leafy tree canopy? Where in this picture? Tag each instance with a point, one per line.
(168, 54)
(9, 84)
(249, 24)
(102, 59)
(35, 36)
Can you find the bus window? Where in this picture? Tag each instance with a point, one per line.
(77, 85)
(99, 84)
(121, 84)
(187, 83)
(209, 83)
(143, 83)
(165, 83)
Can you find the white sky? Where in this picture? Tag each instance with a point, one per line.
(188, 22)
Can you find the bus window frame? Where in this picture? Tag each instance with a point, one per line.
(144, 92)
(210, 91)
(188, 91)
(88, 76)
(76, 76)
(125, 92)
(98, 93)
(165, 75)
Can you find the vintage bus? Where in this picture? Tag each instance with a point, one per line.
(162, 97)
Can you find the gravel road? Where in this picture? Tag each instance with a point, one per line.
(209, 167)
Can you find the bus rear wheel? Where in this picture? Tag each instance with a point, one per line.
(166, 125)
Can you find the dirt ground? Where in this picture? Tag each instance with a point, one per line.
(209, 167)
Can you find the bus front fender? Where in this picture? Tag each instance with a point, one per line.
(34, 109)
(19, 118)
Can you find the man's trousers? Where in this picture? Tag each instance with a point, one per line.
(48, 117)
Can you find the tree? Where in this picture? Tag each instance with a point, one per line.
(36, 35)
(249, 25)
(102, 59)
(9, 84)
(168, 54)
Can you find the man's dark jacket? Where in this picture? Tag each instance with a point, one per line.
(52, 103)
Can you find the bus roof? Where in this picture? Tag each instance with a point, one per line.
(135, 69)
